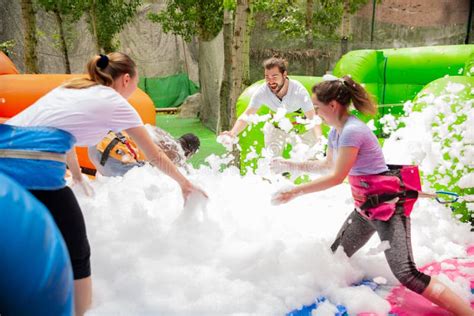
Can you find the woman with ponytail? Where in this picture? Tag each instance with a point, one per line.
(36, 145)
(354, 151)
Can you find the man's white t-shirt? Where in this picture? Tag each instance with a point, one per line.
(296, 98)
(88, 114)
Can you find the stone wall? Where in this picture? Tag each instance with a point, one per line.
(402, 23)
(418, 13)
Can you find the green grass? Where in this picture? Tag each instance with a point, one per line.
(178, 126)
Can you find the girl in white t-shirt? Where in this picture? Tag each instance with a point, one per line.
(80, 112)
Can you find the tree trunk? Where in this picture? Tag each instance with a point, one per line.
(242, 14)
(211, 64)
(29, 25)
(309, 35)
(345, 27)
(226, 86)
(62, 39)
(309, 23)
(93, 25)
(246, 50)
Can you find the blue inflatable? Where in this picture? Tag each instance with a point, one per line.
(35, 270)
(33, 173)
(307, 310)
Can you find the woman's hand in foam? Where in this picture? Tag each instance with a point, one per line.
(84, 183)
(189, 189)
(284, 196)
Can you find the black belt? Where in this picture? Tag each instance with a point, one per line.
(375, 200)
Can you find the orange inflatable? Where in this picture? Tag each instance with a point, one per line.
(7, 66)
(17, 92)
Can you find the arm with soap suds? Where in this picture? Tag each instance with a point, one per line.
(345, 160)
(279, 165)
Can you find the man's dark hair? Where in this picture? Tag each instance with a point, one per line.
(279, 62)
(190, 144)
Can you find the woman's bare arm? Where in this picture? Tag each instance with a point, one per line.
(345, 160)
(159, 159)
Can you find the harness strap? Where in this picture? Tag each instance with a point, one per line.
(107, 150)
(126, 142)
(375, 200)
(32, 154)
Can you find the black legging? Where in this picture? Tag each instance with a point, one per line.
(357, 230)
(63, 206)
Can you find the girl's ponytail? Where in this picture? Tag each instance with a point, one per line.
(345, 90)
(104, 69)
(361, 100)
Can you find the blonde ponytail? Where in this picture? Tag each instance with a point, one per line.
(104, 69)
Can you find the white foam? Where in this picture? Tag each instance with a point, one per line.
(149, 255)
(238, 254)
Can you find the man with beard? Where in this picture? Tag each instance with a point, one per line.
(279, 92)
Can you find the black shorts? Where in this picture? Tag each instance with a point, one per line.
(67, 214)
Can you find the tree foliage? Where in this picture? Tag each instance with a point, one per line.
(7, 47)
(108, 18)
(285, 16)
(71, 8)
(288, 17)
(66, 12)
(189, 18)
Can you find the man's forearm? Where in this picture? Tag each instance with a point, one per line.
(239, 126)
